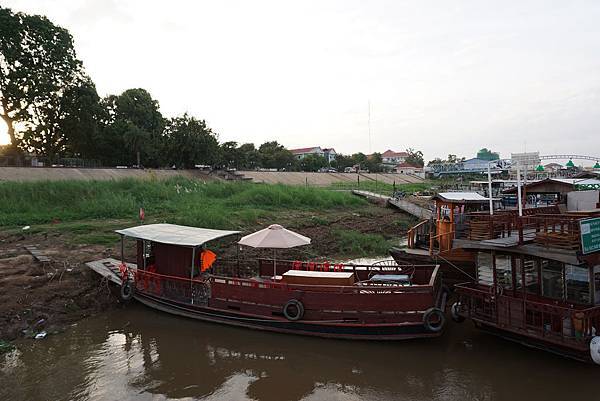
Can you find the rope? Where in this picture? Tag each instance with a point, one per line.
(456, 267)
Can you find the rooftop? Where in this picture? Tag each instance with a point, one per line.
(174, 234)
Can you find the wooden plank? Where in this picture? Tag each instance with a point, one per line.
(109, 268)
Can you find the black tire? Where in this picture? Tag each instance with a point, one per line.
(454, 313)
(127, 291)
(434, 320)
(293, 310)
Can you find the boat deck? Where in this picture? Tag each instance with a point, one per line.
(109, 268)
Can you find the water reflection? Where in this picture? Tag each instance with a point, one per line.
(137, 353)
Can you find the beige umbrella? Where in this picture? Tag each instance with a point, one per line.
(276, 237)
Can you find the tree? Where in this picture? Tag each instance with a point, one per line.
(133, 129)
(312, 162)
(274, 155)
(486, 154)
(342, 161)
(37, 65)
(373, 163)
(250, 156)
(188, 141)
(81, 113)
(454, 159)
(231, 155)
(415, 158)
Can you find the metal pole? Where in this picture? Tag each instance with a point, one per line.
(274, 265)
(519, 190)
(192, 274)
(490, 188)
(122, 249)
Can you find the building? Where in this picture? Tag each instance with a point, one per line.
(328, 153)
(407, 168)
(395, 158)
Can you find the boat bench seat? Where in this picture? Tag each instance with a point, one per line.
(391, 278)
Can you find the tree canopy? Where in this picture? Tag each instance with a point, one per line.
(38, 65)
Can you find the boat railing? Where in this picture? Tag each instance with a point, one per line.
(570, 324)
(547, 230)
(364, 288)
(419, 234)
(179, 289)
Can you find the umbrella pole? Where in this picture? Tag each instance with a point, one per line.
(274, 265)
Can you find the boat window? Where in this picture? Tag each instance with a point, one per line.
(484, 268)
(578, 284)
(597, 284)
(531, 276)
(552, 279)
(503, 271)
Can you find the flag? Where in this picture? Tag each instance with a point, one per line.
(207, 258)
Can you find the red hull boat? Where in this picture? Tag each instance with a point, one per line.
(384, 301)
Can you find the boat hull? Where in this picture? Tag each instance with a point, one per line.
(395, 331)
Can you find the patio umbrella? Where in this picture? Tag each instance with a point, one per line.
(276, 237)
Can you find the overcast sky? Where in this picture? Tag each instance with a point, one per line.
(441, 76)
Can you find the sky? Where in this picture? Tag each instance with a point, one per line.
(439, 76)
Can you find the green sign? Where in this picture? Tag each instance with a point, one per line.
(590, 235)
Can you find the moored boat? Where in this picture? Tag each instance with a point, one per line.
(175, 273)
(537, 280)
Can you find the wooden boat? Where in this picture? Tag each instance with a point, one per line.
(385, 301)
(432, 241)
(537, 280)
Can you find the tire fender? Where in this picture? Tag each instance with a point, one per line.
(290, 306)
(434, 320)
(127, 290)
(595, 349)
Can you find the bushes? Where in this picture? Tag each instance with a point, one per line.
(356, 243)
(178, 200)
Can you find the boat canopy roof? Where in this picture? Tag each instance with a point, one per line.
(461, 197)
(174, 234)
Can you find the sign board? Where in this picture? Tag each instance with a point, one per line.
(590, 235)
(525, 159)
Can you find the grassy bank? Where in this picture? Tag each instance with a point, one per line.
(178, 200)
(80, 213)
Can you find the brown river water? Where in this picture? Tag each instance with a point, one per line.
(139, 354)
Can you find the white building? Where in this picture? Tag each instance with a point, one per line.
(391, 157)
(328, 153)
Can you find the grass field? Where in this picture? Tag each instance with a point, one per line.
(179, 200)
(87, 212)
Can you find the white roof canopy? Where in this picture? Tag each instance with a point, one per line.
(463, 196)
(174, 234)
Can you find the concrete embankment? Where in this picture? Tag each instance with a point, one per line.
(101, 174)
(268, 177)
(325, 179)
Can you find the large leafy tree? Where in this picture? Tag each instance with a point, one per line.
(133, 129)
(188, 141)
(38, 65)
(313, 162)
(274, 155)
(250, 156)
(80, 116)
